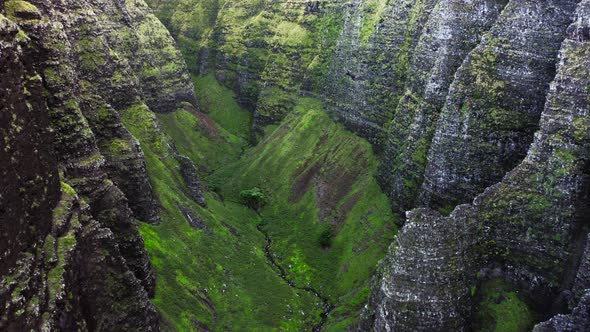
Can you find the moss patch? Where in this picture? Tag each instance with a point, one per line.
(24, 9)
(371, 18)
(501, 309)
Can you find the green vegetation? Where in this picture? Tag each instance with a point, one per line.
(371, 17)
(219, 104)
(501, 309)
(216, 276)
(16, 8)
(316, 178)
(118, 147)
(92, 53)
(190, 23)
(290, 33)
(320, 178)
(253, 47)
(201, 139)
(56, 249)
(253, 198)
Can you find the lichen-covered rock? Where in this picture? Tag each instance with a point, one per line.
(28, 172)
(528, 228)
(72, 278)
(495, 102)
(81, 162)
(164, 79)
(191, 179)
(453, 29)
(193, 219)
(68, 69)
(28, 176)
(371, 62)
(130, 59)
(425, 283)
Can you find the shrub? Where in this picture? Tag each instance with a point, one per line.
(325, 238)
(253, 198)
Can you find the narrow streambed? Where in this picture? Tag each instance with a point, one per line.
(327, 306)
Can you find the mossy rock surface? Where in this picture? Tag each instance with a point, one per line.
(21, 10)
(500, 308)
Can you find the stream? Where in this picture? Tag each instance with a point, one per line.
(327, 306)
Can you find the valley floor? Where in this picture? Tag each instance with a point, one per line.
(310, 250)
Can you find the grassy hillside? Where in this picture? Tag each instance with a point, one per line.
(326, 221)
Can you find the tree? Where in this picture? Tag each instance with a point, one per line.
(253, 198)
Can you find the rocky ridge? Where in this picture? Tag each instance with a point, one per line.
(453, 29)
(495, 102)
(72, 67)
(529, 229)
(455, 94)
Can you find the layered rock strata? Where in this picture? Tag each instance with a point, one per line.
(453, 29)
(72, 256)
(530, 228)
(494, 104)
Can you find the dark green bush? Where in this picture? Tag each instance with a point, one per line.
(253, 198)
(325, 238)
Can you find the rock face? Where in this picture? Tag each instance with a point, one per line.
(530, 227)
(191, 179)
(72, 258)
(369, 70)
(484, 103)
(453, 29)
(426, 287)
(268, 54)
(495, 102)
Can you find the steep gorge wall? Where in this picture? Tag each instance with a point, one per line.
(475, 86)
(69, 69)
(391, 87)
(453, 29)
(370, 63)
(529, 229)
(268, 52)
(494, 104)
(450, 92)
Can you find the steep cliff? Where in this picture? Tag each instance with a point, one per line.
(528, 231)
(452, 31)
(69, 69)
(495, 102)
(370, 63)
(254, 163)
(267, 52)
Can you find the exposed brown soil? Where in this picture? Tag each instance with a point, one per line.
(207, 126)
(303, 182)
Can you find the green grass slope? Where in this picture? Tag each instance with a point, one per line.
(327, 219)
(218, 276)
